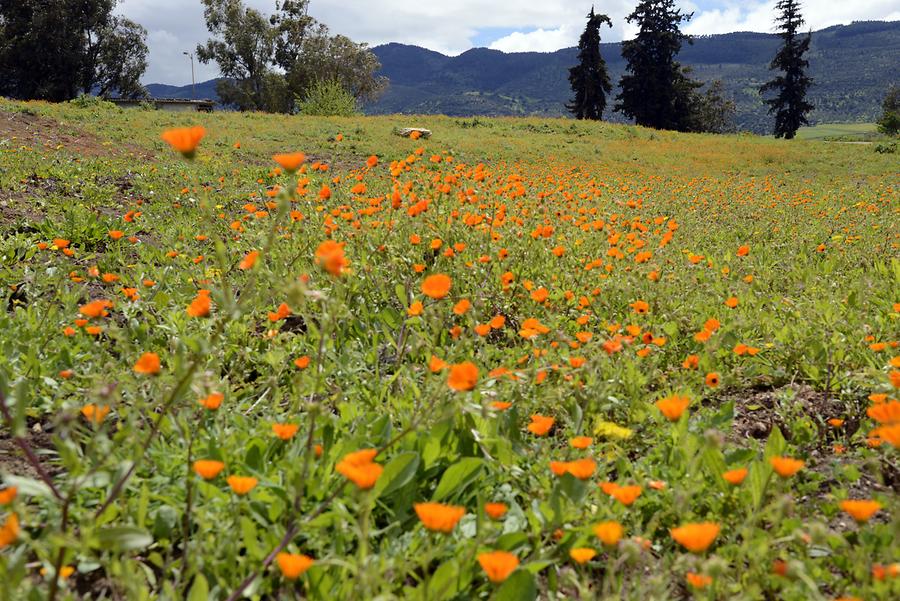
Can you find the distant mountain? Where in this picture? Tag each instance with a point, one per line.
(853, 66)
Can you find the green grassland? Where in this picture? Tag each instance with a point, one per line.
(844, 132)
(606, 268)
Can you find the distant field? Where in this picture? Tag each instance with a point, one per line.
(524, 358)
(847, 132)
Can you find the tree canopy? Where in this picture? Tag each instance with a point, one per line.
(589, 78)
(55, 49)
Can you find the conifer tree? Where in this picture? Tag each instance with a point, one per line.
(789, 106)
(589, 78)
(656, 91)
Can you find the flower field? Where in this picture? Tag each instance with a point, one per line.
(270, 357)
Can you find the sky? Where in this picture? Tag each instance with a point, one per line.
(454, 26)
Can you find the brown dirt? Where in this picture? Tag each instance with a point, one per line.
(24, 129)
(13, 460)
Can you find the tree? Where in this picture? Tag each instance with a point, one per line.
(656, 91)
(889, 124)
(789, 105)
(589, 78)
(269, 63)
(54, 49)
(710, 111)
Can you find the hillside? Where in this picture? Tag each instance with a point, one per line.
(852, 66)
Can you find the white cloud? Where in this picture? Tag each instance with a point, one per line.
(448, 26)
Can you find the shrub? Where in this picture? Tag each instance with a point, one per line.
(328, 98)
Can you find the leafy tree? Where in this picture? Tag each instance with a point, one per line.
(889, 123)
(589, 78)
(789, 106)
(656, 91)
(54, 49)
(710, 111)
(269, 63)
(328, 98)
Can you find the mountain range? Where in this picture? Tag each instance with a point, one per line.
(852, 67)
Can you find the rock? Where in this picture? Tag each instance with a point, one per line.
(407, 132)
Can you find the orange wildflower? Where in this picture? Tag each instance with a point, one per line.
(673, 407)
(731, 302)
(292, 565)
(208, 468)
(696, 537)
(540, 424)
(861, 510)
(735, 476)
(290, 162)
(626, 495)
(330, 257)
(415, 309)
(581, 442)
(712, 379)
(148, 364)
(786, 466)
(462, 306)
(640, 307)
(97, 308)
(436, 286)
(285, 431)
(743, 251)
(249, 260)
(582, 555)
(185, 139)
(213, 401)
(9, 532)
(463, 376)
(609, 533)
(360, 468)
(200, 306)
(241, 485)
(8, 495)
(498, 565)
(94, 413)
(438, 517)
(302, 362)
(698, 581)
(495, 511)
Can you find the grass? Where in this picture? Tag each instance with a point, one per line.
(603, 280)
(840, 132)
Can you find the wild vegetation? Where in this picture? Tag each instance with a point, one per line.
(522, 358)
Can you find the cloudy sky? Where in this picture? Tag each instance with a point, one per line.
(454, 26)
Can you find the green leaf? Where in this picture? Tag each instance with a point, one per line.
(457, 477)
(199, 590)
(518, 587)
(124, 538)
(397, 473)
(775, 445)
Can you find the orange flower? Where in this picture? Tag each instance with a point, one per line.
(580, 468)
(208, 468)
(885, 413)
(463, 376)
(540, 424)
(200, 306)
(540, 295)
(185, 139)
(696, 537)
(249, 261)
(436, 286)
(495, 510)
(290, 162)
(148, 364)
(94, 413)
(415, 309)
(8, 495)
(10, 531)
(731, 302)
(498, 565)
(609, 533)
(691, 362)
(698, 581)
(735, 476)
(786, 466)
(712, 379)
(213, 401)
(673, 407)
(743, 251)
(302, 362)
(292, 565)
(116, 234)
(330, 257)
(626, 495)
(640, 307)
(359, 467)
(581, 442)
(97, 308)
(438, 517)
(285, 431)
(582, 555)
(241, 485)
(462, 306)
(861, 510)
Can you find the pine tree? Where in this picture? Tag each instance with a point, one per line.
(656, 91)
(589, 78)
(789, 106)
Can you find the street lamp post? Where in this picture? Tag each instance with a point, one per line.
(193, 83)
